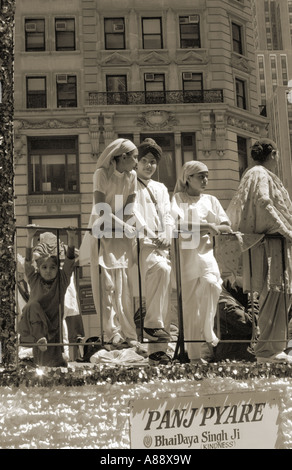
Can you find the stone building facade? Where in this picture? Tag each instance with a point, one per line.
(89, 71)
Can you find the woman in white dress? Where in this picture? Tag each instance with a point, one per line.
(114, 190)
(200, 216)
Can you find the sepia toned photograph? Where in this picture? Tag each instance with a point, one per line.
(146, 227)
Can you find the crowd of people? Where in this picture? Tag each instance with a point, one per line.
(130, 207)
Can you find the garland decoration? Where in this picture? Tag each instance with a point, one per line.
(7, 220)
(89, 374)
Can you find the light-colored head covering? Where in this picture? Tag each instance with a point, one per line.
(189, 168)
(114, 149)
(47, 247)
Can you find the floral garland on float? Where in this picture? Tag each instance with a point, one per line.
(89, 406)
(7, 221)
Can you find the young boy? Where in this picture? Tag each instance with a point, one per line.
(40, 321)
(153, 209)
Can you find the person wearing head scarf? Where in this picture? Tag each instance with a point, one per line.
(262, 206)
(198, 217)
(40, 320)
(114, 190)
(152, 207)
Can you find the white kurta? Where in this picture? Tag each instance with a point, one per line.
(154, 262)
(200, 275)
(115, 256)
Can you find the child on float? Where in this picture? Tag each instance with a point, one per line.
(201, 216)
(114, 190)
(152, 207)
(40, 321)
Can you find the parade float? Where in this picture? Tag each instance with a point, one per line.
(89, 406)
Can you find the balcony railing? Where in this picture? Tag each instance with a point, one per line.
(155, 97)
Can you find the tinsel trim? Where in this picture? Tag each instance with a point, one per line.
(97, 374)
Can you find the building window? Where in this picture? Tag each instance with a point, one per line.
(152, 33)
(242, 154)
(114, 32)
(192, 87)
(188, 145)
(237, 38)
(154, 84)
(52, 165)
(66, 91)
(284, 67)
(274, 71)
(65, 34)
(273, 25)
(36, 94)
(116, 87)
(240, 93)
(166, 170)
(35, 35)
(189, 30)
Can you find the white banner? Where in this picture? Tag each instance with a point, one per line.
(245, 420)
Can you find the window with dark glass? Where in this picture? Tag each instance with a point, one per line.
(188, 145)
(154, 84)
(114, 32)
(240, 93)
(65, 34)
(53, 165)
(237, 38)
(166, 170)
(242, 154)
(116, 87)
(36, 94)
(189, 29)
(35, 35)
(152, 33)
(192, 87)
(66, 91)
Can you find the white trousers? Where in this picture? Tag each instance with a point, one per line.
(117, 304)
(155, 273)
(199, 300)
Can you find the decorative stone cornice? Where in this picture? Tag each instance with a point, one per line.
(241, 63)
(199, 56)
(23, 124)
(157, 120)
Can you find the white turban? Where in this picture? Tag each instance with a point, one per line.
(114, 149)
(189, 168)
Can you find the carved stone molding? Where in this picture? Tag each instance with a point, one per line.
(155, 58)
(115, 58)
(22, 124)
(244, 124)
(206, 131)
(199, 56)
(220, 132)
(241, 63)
(157, 120)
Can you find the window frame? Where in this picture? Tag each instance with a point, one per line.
(161, 99)
(243, 96)
(187, 92)
(69, 76)
(116, 33)
(181, 24)
(116, 96)
(188, 148)
(148, 18)
(42, 152)
(29, 34)
(65, 49)
(31, 77)
(237, 43)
